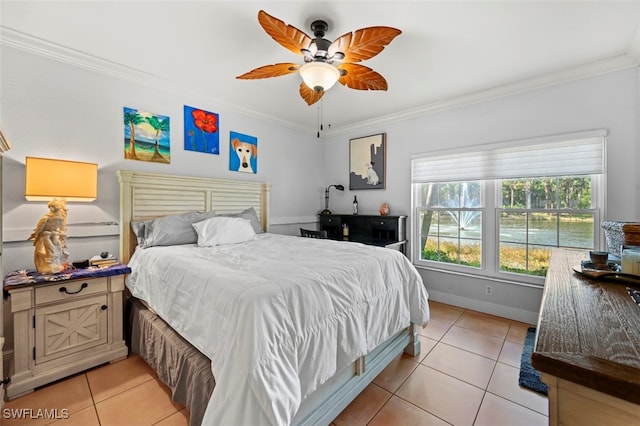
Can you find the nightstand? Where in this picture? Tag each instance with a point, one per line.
(64, 323)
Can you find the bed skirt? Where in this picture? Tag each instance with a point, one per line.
(180, 366)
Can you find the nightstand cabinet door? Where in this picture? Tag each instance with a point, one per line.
(69, 327)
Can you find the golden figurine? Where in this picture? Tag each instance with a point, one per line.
(50, 239)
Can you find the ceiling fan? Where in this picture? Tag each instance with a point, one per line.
(325, 62)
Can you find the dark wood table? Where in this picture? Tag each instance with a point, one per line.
(588, 346)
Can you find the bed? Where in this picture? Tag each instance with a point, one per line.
(293, 328)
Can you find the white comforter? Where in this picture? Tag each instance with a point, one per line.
(278, 315)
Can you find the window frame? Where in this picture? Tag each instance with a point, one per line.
(491, 193)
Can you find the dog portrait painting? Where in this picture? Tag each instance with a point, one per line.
(243, 153)
(367, 156)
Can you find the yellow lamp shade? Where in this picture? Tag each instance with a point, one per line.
(47, 178)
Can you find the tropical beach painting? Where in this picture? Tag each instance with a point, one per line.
(201, 130)
(146, 136)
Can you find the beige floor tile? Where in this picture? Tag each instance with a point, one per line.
(395, 373)
(499, 411)
(181, 418)
(399, 412)
(472, 341)
(120, 376)
(144, 404)
(504, 383)
(448, 398)
(426, 346)
(466, 366)
(444, 313)
(434, 329)
(483, 323)
(364, 407)
(517, 332)
(70, 394)
(511, 354)
(86, 417)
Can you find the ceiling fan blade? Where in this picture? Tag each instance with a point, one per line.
(310, 96)
(363, 44)
(267, 71)
(286, 35)
(361, 78)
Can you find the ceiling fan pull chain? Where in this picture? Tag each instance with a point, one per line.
(319, 117)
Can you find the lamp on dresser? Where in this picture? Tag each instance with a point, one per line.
(326, 210)
(56, 181)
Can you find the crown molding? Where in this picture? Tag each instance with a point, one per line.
(41, 47)
(616, 63)
(38, 46)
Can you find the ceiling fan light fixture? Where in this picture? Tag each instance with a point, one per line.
(319, 76)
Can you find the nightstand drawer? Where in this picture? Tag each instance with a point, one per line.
(384, 223)
(68, 290)
(330, 221)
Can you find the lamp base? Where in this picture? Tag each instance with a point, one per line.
(325, 212)
(50, 239)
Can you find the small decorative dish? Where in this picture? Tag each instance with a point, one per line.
(588, 266)
(611, 273)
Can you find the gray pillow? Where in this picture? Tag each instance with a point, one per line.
(169, 230)
(251, 215)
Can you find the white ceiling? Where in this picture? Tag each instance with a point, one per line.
(449, 52)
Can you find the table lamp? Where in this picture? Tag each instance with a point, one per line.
(326, 210)
(56, 181)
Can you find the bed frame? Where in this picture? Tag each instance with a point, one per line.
(149, 195)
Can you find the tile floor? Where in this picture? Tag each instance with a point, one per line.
(466, 374)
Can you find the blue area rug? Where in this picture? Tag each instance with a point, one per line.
(529, 376)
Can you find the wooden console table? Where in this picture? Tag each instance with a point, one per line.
(588, 347)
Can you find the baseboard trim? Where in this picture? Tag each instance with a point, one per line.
(485, 307)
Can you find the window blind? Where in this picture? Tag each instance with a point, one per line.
(564, 155)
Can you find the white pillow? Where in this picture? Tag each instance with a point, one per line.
(223, 230)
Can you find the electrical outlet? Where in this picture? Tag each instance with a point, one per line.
(488, 290)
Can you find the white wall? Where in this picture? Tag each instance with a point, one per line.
(608, 101)
(53, 109)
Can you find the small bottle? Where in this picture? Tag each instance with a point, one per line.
(355, 205)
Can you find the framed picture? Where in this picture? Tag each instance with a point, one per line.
(146, 136)
(367, 162)
(201, 130)
(243, 153)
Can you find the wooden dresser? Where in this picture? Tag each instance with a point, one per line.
(588, 347)
(383, 231)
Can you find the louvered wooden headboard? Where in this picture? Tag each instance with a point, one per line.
(146, 196)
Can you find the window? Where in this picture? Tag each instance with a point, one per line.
(500, 209)
(451, 223)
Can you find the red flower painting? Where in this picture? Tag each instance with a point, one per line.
(205, 121)
(205, 124)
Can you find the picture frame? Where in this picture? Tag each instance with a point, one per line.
(243, 153)
(147, 136)
(201, 130)
(367, 162)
